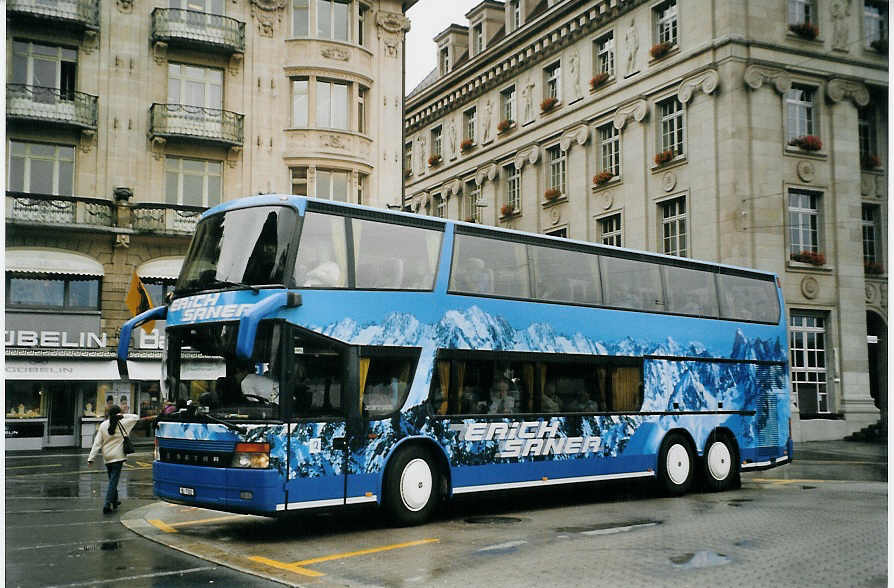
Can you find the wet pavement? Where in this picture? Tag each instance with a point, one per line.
(820, 521)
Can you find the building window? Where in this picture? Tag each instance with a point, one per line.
(361, 109)
(800, 112)
(299, 102)
(477, 39)
(300, 18)
(444, 60)
(361, 25)
(195, 86)
(513, 187)
(470, 211)
(561, 232)
(556, 158)
(299, 181)
(44, 66)
(469, 118)
(361, 187)
(207, 6)
(192, 182)
(514, 15)
(666, 23)
(673, 226)
(507, 103)
(158, 289)
(332, 105)
(867, 133)
(440, 206)
(803, 218)
(552, 81)
(41, 168)
(610, 230)
(332, 185)
(670, 113)
(801, 12)
(610, 149)
(408, 157)
(808, 348)
(605, 55)
(436, 142)
(47, 291)
(875, 21)
(870, 235)
(333, 20)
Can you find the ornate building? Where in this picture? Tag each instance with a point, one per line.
(125, 120)
(746, 133)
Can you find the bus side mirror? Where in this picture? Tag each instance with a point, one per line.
(293, 299)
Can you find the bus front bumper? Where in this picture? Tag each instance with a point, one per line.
(229, 489)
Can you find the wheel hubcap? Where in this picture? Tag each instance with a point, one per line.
(416, 484)
(719, 461)
(677, 464)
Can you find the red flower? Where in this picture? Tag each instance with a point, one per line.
(663, 157)
(807, 143)
(504, 125)
(659, 50)
(548, 103)
(602, 177)
(598, 80)
(434, 160)
(466, 145)
(506, 210)
(808, 30)
(551, 193)
(874, 269)
(811, 257)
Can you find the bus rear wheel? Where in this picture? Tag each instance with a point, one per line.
(411, 489)
(721, 464)
(675, 464)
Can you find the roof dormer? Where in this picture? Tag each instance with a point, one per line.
(487, 21)
(453, 43)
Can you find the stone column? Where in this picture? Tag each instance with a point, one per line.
(529, 189)
(577, 178)
(843, 205)
(635, 164)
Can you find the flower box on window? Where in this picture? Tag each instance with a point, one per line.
(870, 161)
(811, 257)
(548, 103)
(807, 143)
(504, 125)
(598, 80)
(434, 160)
(466, 145)
(507, 210)
(602, 177)
(470, 219)
(551, 194)
(873, 269)
(663, 157)
(659, 50)
(880, 45)
(805, 30)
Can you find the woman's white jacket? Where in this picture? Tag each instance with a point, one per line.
(112, 446)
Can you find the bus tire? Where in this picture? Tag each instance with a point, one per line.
(676, 464)
(411, 490)
(720, 469)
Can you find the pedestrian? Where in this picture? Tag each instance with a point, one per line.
(110, 441)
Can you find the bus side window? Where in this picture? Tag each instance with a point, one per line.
(627, 389)
(386, 384)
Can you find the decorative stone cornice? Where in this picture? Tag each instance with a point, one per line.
(530, 155)
(756, 75)
(486, 172)
(392, 22)
(578, 134)
(638, 109)
(452, 187)
(706, 80)
(838, 89)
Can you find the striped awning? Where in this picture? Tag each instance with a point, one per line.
(164, 268)
(51, 261)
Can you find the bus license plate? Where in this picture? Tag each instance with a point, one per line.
(187, 491)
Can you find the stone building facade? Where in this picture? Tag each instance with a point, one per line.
(746, 133)
(126, 120)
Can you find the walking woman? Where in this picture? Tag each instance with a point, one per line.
(110, 440)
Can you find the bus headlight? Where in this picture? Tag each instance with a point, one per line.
(251, 456)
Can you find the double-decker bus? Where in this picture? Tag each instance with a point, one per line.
(368, 356)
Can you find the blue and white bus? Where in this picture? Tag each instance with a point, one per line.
(368, 356)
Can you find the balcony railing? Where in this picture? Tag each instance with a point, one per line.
(80, 13)
(165, 218)
(192, 28)
(57, 210)
(51, 104)
(194, 122)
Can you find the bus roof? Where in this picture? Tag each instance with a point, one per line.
(301, 202)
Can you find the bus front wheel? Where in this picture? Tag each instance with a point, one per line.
(721, 464)
(675, 464)
(411, 491)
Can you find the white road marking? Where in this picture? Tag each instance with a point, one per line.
(138, 577)
(613, 530)
(507, 545)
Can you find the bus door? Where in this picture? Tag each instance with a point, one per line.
(316, 381)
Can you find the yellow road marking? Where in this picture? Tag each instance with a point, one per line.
(144, 464)
(784, 481)
(298, 568)
(161, 525)
(47, 465)
(169, 527)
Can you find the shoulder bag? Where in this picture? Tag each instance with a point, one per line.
(128, 444)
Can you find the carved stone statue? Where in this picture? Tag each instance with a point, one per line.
(631, 47)
(486, 121)
(574, 70)
(451, 137)
(840, 10)
(420, 152)
(527, 98)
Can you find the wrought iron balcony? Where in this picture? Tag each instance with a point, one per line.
(197, 123)
(191, 28)
(47, 209)
(165, 218)
(51, 105)
(81, 14)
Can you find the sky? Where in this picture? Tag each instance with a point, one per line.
(427, 19)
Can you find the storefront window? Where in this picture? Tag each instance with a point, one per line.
(24, 400)
(147, 402)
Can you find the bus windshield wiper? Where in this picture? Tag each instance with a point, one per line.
(208, 417)
(242, 285)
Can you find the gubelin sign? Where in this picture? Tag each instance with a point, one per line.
(56, 339)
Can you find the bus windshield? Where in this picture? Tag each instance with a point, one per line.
(246, 246)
